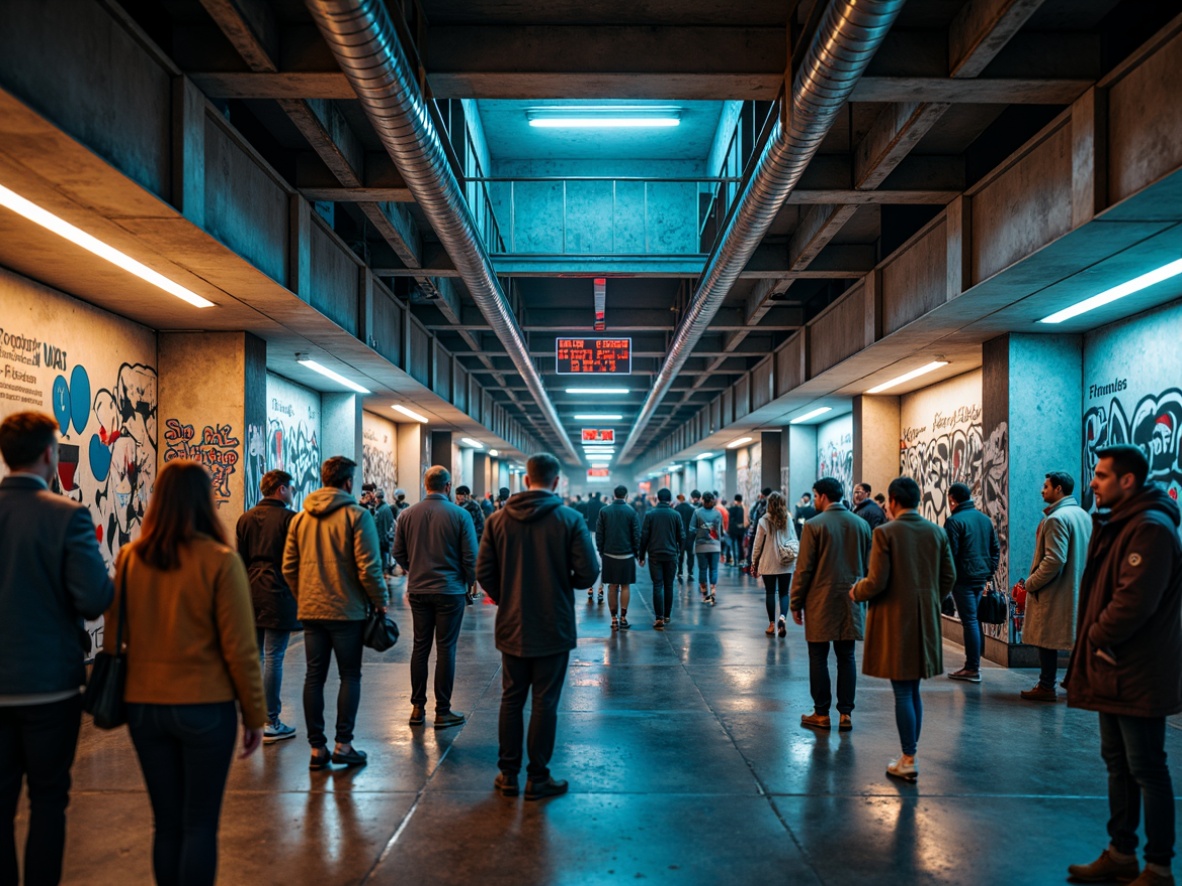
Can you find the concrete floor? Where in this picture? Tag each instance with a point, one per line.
(687, 764)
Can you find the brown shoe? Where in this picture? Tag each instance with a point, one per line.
(1039, 693)
(815, 721)
(845, 724)
(1104, 869)
(1149, 878)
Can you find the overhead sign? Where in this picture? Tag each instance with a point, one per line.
(599, 435)
(603, 356)
(598, 473)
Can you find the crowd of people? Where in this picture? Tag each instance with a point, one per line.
(205, 620)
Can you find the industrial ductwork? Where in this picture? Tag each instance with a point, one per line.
(847, 38)
(365, 43)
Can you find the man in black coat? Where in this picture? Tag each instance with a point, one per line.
(686, 511)
(1127, 661)
(617, 537)
(976, 552)
(866, 507)
(52, 576)
(262, 534)
(535, 553)
(591, 515)
(662, 539)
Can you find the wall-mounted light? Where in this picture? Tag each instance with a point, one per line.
(328, 373)
(907, 376)
(820, 410)
(409, 413)
(494, 452)
(34, 213)
(735, 444)
(1165, 272)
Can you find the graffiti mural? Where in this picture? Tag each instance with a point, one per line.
(1154, 424)
(836, 459)
(994, 502)
(256, 462)
(215, 447)
(949, 450)
(294, 447)
(377, 455)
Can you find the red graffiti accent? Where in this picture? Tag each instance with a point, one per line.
(98, 534)
(1165, 420)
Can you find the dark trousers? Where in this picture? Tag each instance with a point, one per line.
(1048, 667)
(778, 585)
(661, 572)
(437, 617)
(323, 640)
(37, 742)
(185, 752)
(686, 557)
(847, 676)
(544, 677)
(1134, 749)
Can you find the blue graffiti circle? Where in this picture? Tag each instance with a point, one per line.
(80, 398)
(100, 458)
(61, 403)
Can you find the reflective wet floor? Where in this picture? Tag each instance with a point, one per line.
(687, 764)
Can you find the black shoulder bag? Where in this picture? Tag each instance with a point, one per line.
(380, 632)
(993, 608)
(103, 698)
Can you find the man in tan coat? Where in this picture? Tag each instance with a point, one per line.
(834, 549)
(1052, 590)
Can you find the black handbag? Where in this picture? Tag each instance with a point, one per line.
(993, 608)
(380, 632)
(103, 698)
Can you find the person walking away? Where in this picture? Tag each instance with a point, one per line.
(1052, 590)
(976, 553)
(52, 576)
(706, 531)
(804, 511)
(662, 538)
(911, 571)
(261, 535)
(758, 509)
(331, 563)
(189, 636)
(685, 510)
(773, 557)
(1127, 661)
(866, 507)
(736, 528)
(465, 500)
(720, 506)
(534, 555)
(617, 538)
(834, 553)
(580, 506)
(383, 518)
(435, 543)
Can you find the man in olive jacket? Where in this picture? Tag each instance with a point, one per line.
(534, 554)
(1127, 661)
(834, 550)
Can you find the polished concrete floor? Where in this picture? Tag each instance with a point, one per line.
(687, 764)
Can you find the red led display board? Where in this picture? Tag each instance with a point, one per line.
(600, 356)
(598, 473)
(599, 435)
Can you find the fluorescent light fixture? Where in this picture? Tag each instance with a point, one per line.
(475, 444)
(409, 413)
(328, 373)
(703, 455)
(735, 444)
(907, 376)
(605, 117)
(595, 416)
(78, 237)
(1165, 272)
(600, 459)
(494, 452)
(598, 391)
(820, 410)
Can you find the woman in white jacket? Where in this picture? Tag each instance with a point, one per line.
(774, 557)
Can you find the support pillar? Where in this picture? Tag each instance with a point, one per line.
(730, 476)
(341, 429)
(414, 457)
(441, 450)
(876, 441)
(479, 484)
(802, 461)
(770, 460)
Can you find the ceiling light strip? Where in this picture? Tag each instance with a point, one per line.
(1165, 272)
(907, 376)
(335, 376)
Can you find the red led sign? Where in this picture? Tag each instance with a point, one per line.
(599, 435)
(603, 356)
(598, 473)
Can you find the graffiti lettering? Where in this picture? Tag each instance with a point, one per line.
(836, 459)
(217, 451)
(295, 449)
(1155, 426)
(995, 504)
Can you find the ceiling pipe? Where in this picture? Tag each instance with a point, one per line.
(849, 34)
(362, 36)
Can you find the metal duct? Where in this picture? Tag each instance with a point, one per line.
(845, 41)
(365, 43)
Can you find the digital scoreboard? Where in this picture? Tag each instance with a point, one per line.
(599, 435)
(600, 356)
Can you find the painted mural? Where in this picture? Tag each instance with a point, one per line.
(293, 434)
(379, 438)
(1154, 424)
(835, 452)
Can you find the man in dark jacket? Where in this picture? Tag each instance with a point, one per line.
(262, 534)
(866, 507)
(465, 501)
(758, 509)
(52, 576)
(976, 552)
(735, 529)
(662, 539)
(686, 511)
(591, 514)
(617, 538)
(534, 555)
(383, 518)
(1127, 661)
(487, 506)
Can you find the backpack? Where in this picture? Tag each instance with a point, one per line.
(708, 532)
(783, 546)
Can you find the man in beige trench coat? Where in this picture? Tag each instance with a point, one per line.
(1052, 590)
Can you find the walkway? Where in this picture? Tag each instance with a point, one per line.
(687, 764)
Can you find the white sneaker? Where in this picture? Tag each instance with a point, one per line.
(277, 731)
(899, 768)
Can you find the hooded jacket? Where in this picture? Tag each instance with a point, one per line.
(262, 536)
(1131, 604)
(975, 549)
(534, 554)
(332, 561)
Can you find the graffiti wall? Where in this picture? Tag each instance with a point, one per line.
(1132, 394)
(293, 434)
(96, 374)
(835, 452)
(379, 445)
(749, 471)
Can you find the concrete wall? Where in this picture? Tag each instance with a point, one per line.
(379, 452)
(876, 441)
(835, 452)
(414, 450)
(294, 433)
(802, 461)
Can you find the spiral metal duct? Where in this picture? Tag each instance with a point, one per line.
(847, 38)
(365, 43)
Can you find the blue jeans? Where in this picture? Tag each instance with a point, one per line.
(323, 640)
(708, 567)
(272, 648)
(908, 713)
(966, 599)
(185, 752)
(437, 617)
(1134, 749)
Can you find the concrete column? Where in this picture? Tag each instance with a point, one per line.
(730, 475)
(876, 441)
(414, 449)
(479, 482)
(802, 461)
(705, 471)
(212, 403)
(770, 463)
(441, 448)
(341, 433)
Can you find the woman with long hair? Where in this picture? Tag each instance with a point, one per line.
(706, 531)
(773, 556)
(191, 652)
